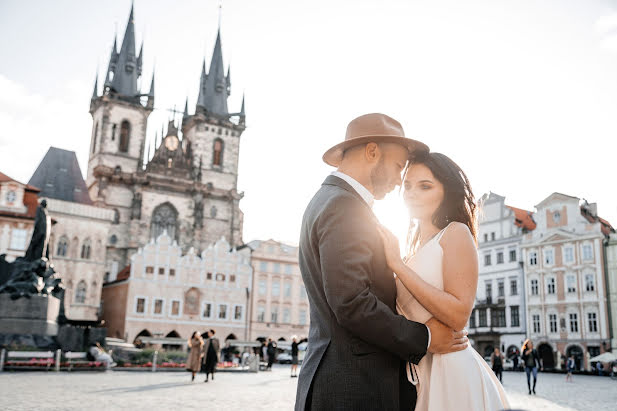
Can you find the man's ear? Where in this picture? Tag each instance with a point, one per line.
(372, 152)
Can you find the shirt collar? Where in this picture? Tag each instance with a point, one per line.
(360, 189)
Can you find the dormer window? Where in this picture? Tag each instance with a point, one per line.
(557, 216)
(11, 196)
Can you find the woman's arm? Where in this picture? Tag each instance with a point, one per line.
(453, 305)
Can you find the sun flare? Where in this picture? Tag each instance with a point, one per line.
(393, 214)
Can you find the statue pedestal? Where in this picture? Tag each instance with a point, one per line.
(35, 315)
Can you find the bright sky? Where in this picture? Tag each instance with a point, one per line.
(521, 94)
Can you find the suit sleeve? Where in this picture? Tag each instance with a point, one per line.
(345, 256)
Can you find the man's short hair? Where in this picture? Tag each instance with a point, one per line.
(213, 332)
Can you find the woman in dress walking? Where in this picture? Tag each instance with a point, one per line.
(196, 344)
(211, 350)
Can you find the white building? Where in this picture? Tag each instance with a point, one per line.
(498, 318)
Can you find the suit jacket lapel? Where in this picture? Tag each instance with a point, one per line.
(339, 182)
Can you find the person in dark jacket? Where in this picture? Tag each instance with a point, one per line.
(497, 363)
(294, 356)
(211, 357)
(271, 351)
(531, 359)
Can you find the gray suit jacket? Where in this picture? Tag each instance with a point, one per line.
(357, 343)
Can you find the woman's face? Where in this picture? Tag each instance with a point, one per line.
(423, 193)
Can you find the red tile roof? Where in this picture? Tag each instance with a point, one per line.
(124, 273)
(30, 199)
(523, 218)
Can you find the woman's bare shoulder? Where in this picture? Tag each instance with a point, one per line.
(457, 234)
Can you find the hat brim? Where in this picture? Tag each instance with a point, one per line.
(334, 155)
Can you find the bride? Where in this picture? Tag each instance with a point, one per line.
(438, 278)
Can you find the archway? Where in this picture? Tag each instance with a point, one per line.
(545, 351)
(229, 351)
(576, 352)
(512, 351)
(282, 339)
(172, 334)
(137, 341)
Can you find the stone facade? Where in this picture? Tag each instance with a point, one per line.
(611, 275)
(165, 293)
(18, 204)
(565, 281)
(498, 318)
(279, 307)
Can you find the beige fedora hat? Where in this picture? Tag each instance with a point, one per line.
(371, 128)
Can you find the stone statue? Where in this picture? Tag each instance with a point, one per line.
(136, 207)
(198, 212)
(40, 235)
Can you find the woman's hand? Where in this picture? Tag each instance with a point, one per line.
(391, 248)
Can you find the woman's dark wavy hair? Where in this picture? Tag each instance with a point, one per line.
(458, 202)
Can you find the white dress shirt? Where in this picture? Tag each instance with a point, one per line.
(369, 198)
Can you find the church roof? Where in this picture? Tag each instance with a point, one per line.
(215, 86)
(59, 176)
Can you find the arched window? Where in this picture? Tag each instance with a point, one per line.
(217, 153)
(63, 247)
(125, 134)
(96, 133)
(164, 217)
(80, 292)
(85, 249)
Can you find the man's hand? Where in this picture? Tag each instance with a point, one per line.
(444, 339)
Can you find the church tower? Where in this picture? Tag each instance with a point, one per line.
(120, 117)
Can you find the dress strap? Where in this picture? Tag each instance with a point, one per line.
(441, 233)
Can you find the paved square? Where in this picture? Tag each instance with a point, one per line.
(244, 391)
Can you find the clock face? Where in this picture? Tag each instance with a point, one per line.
(171, 142)
(11, 196)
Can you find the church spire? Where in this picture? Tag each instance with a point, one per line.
(215, 87)
(126, 65)
(95, 92)
(242, 112)
(150, 103)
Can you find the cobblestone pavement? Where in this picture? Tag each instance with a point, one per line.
(244, 391)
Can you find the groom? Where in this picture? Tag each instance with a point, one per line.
(358, 345)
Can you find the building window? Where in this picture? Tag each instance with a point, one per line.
(276, 288)
(592, 322)
(512, 255)
(125, 135)
(274, 314)
(500, 257)
(485, 237)
(472, 319)
(552, 322)
(277, 268)
(149, 269)
(286, 316)
(493, 236)
(217, 153)
(488, 288)
(220, 277)
(302, 317)
(164, 219)
(535, 320)
(287, 289)
(161, 270)
(500, 288)
(261, 314)
(209, 276)
(158, 306)
(533, 258)
(482, 317)
(175, 308)
(113, 132)
(487, 259)
(63, 246)
(593, 351)
(557, 217)
(568, 254)
(549, 257)
(263, 266)
(80, 292)
(262, 287)
(590, 283)
(96, 133)
(534, 287)
(207, 311)
(514, 316)
(571, 283)
(513, 287)
(238, 312)
(587, 252)
(232, 278)
(18, 239)
(288, 268)
(172, 272)
(550, 285)
(222, 311)
(498, 317)
(573, 322)
(140, 306)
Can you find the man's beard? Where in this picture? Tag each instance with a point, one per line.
(379, 180)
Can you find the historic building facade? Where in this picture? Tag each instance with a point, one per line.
(611, 274)
(498, 317)
(279, 304)
(188, 185)
(77, 241)
(565, 282)
(165, 293)
(18, 204)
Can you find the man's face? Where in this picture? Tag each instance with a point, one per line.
(386, 174)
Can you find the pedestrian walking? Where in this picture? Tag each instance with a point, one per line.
(271, 350)
(294, 356)
(600, 368)
(531, 359)
(515, 361)
(497, 363)
(570, 364)
(196, 344)
(211, 357)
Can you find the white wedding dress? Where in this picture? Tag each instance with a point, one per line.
(457, 381)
